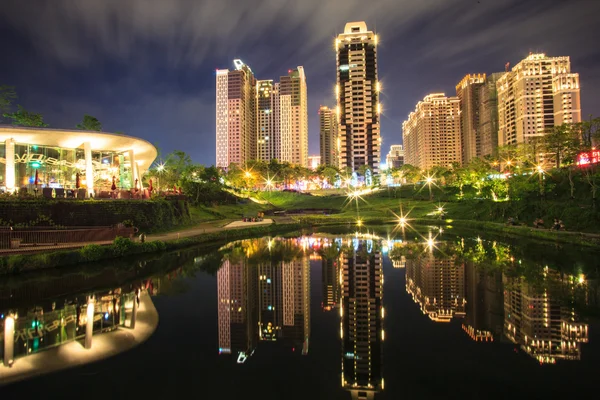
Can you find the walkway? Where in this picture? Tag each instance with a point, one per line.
(205, 228)
(72, 354)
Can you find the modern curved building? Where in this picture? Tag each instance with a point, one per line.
(60, 157)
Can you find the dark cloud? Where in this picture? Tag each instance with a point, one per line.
(146, 66)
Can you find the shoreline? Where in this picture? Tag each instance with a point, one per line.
(11, 264)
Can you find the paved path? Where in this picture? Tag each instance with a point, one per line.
(72, 354)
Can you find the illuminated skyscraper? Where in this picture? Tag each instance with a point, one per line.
(357, 93)
(537, 94)
(274, 118)
(431, 135)
(331, 283)
(328, 136)
(545, 326)
(237, 319)
(294, 86)
(468, 91)
(488, 115)
(362, 316)
(235, 115)
(437, 285)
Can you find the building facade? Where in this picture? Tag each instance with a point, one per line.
(537, 94)
(294, 86)
(395, 158)
(236, 111)
(468, 91)
(357, 93)
(431, 134)
(40, 158)
(488, 115)
(328, 136)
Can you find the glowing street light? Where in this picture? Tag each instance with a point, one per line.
(359, 222)
(248, 174)
(429, 180)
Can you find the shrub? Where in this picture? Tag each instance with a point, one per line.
(92, 252)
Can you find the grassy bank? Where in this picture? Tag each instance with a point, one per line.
(123, 247)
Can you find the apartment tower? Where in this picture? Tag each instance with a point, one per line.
(395, 158)
(294, 86)
(468, 91)
(235, 115)
(328, 136)
(357, 93)
(431, 134)
(488, 115)
(537, 94)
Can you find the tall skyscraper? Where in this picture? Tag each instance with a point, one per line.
(357, 93)
(468, 91)
(362, 319)
(537, 94)
(236, 115)
(328, 136)
(431, 135)
(395, 158)
(294, 85)
(488, 115)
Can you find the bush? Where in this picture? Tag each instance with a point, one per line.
(93, 252)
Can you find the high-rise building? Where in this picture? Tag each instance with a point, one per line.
(431, 135)
(488, 115)
(274, 122)
(235, 115)
(468, 91)
(437, 286)
(357, 93)
(294, 85)
(546, 327)
(328, 136)
(537, 94)
(331, 283)
(395, 158)
(362, 315)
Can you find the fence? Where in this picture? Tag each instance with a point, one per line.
(19, 239)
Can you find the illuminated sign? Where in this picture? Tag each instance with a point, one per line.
(588, 157)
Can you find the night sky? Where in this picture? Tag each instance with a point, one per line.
(147, 67)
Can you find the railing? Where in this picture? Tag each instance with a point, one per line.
(18, 240)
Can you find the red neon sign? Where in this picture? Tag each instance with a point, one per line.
(588, 157)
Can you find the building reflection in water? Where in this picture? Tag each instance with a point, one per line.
(263, 291)
(538, 315)
(362, 313)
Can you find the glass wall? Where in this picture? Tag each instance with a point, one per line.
(59, 168)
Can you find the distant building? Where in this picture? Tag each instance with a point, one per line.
(488, 115)
(357, 93)
(468, 91)
(538, 93)
(431, 134)
(294, 85)
(328, 136)
(314, 162)
(235, 115)
(395, 158)
(262, 119)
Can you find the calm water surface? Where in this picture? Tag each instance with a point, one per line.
(328, 316)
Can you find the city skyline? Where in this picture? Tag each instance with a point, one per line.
(167, 96)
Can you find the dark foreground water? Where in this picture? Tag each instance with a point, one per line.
(328, 316)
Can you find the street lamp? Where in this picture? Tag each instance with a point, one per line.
(429, 180)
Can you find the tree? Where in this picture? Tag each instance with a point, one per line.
(90, 123)
(411, 173)
(22, 117)
(7, 95)
(562, 143)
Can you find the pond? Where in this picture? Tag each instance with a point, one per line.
(324, 315)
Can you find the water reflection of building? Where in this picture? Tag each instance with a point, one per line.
(264, 301)
(437, 285)
(236, 309)
(484, 304)
(545, 326)
(362, 315)
(399, 262)
(331, 283)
